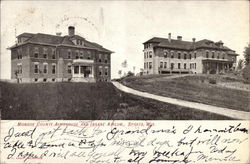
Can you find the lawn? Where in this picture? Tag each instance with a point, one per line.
(86, 101)
(196, 88)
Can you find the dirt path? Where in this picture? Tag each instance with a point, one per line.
(236, 114)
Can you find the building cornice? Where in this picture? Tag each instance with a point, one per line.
(58, 45)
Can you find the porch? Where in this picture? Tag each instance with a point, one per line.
(83, 70)
(216, 66)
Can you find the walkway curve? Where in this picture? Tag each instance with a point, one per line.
(235, 114)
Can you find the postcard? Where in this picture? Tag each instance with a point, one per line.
(124, 82)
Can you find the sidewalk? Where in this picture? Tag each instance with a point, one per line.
(236, 114)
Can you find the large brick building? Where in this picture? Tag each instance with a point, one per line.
(42, 58)
(167, 55)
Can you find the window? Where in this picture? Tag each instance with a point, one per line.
(179, 55)
(106, 70)
(77, 55)
(19, 68)
(35, 79)
(45, 52)
(100, 57)
(19, 54)
(172, 66)
(89, 56)
(190, 56)
(179, 65)
(36, 54)
(218, 55)
(69, 68)
(81, 55)
(145, 65)
(150, 54)
(53, 68)
(36, 68)
(212, 54)
(44, 80)
(150, 65)
(82, 69)
(185, 66)
(106, 59)
(53, 54)
(172, 54)
(223, 57)
(69, 55)
(185, 56)
(195, 55)
(76, 69)
(165, 64)
(53, 79)
(191, 65)
(207, 54)
(161, 64)
(165, 54)
(194, 65)
(144, 55)
(45, 68)
(100, 70)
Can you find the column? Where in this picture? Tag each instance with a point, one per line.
(92, 71)
(217, 68)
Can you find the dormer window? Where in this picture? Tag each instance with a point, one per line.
(19, 40)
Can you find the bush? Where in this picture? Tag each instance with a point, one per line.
(212, 81)
(246, 74)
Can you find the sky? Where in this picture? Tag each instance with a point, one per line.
(122, 26)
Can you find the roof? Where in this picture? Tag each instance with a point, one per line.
(56, 40)
(187, 45)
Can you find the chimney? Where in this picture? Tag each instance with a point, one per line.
(193, 40)
(71, 30)
(169, 37)
(179, 37)
(58, 34)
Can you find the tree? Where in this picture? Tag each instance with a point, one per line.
(240, 64)
(247, 54)
(246, 70)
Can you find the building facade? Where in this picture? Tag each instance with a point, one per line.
(167, 55)
(49, 58)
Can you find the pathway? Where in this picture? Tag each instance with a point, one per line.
(236, 114)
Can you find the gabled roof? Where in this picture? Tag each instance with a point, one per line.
(59, 40)
(187, 45)
(26, 35)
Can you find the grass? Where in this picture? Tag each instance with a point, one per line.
(86, 101)
(196, 88)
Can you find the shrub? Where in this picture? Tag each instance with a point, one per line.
(246, 74)
(212, 81)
